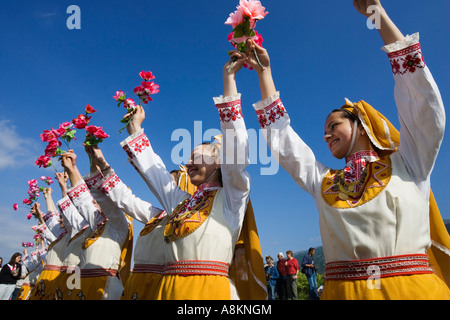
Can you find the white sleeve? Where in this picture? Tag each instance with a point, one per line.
(51, 219)
(116, 217)
(88, 208)
(234, 159)
(118, 193)
(152, 169)
(71, 213)
(45, 233)
(287, 147)
(420, 109)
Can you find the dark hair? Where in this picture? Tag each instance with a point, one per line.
(346, 114)
(12, 261)
(311, 250)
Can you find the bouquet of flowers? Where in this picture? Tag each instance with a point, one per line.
(27, 244)
(243, 21)
(66, 132)
(34, 191)
(143, 91)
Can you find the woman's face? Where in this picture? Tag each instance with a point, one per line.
(338, 134)
(61, 221)
(201, 165)
(18, 259)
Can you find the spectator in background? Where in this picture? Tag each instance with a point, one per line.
(292, 269)
(271, 276)
(281, 281)
(9, 275)
(309, 269)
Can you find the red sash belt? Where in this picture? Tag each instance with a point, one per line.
(186, 268)
(196, 267)
(97, 272)
(378, 267)
(52, 267)
(149, 268)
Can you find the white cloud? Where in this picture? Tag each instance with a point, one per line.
(14, 229)
(15, 151)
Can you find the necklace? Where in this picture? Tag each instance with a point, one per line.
(348, 189)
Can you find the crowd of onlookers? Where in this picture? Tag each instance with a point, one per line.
(282, 277)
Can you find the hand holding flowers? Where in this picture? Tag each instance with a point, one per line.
(243, 21)
(143, 91)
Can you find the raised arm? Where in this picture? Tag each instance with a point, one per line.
(388, 30)
(117, 192)
(149, 165)
(234, 148)
(419, 103)
(287, 147)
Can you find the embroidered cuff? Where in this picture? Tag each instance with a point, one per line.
(229, 108)
(39, 228)
(51, 214)
(107, 184)
(410, 40)
(135, 144)
(224, 99)
(64, 204)
(78, 190)
(92, 178)
(270, 110)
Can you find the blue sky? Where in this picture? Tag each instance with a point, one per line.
(321, 52)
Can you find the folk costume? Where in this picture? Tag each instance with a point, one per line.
(374, 215)
(56, 238)
(79, 229)
(34, 263)
(106, 250)
(143, 282)
(201, 230)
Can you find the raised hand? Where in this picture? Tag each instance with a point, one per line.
(256, 56)
(138, 115)
(362, 5)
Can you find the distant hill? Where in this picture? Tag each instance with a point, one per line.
(319, 259)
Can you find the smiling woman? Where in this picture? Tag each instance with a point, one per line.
(375, 212)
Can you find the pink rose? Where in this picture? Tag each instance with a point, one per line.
(252, 9)
(26, 201)
(48, 135)
(81, 122)
(52, 147)
(89, 109)
(129, 103)
(139, 90)
(235, 18)
(120, 95)
(150, 87)
(15, 206)
(146, 75)
(43, 161)
(97, 132)
(29, 216)
(65, 125)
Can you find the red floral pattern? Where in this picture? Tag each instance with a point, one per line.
(66, 204)
(230, 111)
(407, 60)
(78, 191)
(110, 183)
(271, 113)
(92, 181)
(137, 145)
